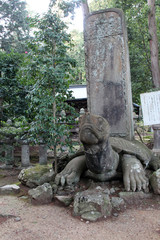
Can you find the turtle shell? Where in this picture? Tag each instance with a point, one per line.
(121, 145)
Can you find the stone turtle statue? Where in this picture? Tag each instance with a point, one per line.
(105, 158)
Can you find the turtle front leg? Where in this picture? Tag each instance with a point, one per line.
(72, 172)
(133, 174)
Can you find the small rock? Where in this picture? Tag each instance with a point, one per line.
(134, 197)
(10, 189)
(98, 188)
(17, 219)
(107, 191)
(117, 202)
(66, 200)
(91, 205)
(42, 194)
(155, 181)
(91, 216)
(112, 190)
(36, 176)
(115, 214)
(24, 197)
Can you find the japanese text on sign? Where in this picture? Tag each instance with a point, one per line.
(151, 107)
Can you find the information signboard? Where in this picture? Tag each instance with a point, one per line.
(151, 107)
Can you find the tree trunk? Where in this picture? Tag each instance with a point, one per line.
(153, 44)
(55, 160)
(54, 109)
(85, 8)
(54, 121)
(1, 110)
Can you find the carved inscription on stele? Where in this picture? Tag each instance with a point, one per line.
(108, 71)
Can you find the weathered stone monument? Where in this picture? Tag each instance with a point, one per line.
(106, 157)
(108, 70)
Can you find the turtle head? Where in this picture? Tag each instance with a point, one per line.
(93, 129)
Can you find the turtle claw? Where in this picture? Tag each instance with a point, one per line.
(133, 174)
(63, 181)
(68, 178)
(72, 172)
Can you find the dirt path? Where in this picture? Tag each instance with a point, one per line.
(52, 222)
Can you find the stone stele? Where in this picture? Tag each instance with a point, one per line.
(108, 70)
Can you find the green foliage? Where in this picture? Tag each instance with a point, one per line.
(77, 52)
(34, 84)
(100, 4)
(140, 61)
(14, 31)
(14, 25)
(12, 92)
(67, 7)
(49, 70)
(124, 4)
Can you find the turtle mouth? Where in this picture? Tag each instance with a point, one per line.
(88, 135)
(93, 129)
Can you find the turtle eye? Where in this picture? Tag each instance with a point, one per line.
(100, 123)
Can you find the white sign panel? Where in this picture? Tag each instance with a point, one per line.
(151, 107)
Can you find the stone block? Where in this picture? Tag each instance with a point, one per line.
(117, 203)
(92, 205)
(37, 175)
(42, 194)
(134, 197)
(155, 181)
(66, 200)
(9, 189)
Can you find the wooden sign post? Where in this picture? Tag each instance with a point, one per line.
(151, 115)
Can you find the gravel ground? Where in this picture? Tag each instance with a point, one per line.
(52, 222)
(21, 220)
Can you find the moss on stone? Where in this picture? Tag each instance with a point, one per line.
(36, 175)
(36, 171)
